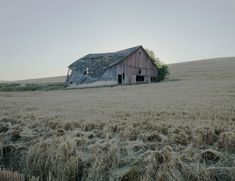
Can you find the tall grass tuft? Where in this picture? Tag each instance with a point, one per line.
(57, 157)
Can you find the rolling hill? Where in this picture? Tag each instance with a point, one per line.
(199, 69)
(204, 69)
(57, 79)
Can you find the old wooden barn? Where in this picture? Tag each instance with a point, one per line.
(129, 66)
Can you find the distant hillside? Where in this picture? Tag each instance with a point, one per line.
(2, 81)
(204, 69)
(200, 69)
(58, 79)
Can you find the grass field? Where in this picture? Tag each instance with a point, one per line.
(180, 129)
(16, 87)
(48, 80)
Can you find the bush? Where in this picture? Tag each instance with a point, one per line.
(163, 69)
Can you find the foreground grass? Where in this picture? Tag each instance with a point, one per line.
(117, 151)
(115, 134)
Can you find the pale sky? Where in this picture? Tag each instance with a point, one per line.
(40, 38)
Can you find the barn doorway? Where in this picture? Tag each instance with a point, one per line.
(119, 79)
(139, 78)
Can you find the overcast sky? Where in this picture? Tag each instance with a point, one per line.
(41, 38)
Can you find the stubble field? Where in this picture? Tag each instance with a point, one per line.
(180, 129)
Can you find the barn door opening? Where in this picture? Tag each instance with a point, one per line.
(139, 78)
(119, 79)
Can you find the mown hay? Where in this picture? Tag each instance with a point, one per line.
(10, 156)
(151, 137)
(163, 165)
(227, 141)
(222, 174)
(106, 159)
(60, 132)
(210, 156)
(204, 136)
(12, 120)
(133, 174)
(10, 176)
(130, 133)
(180, 138)
(54, 124)
(58, 156)
(4, 127)
(129, 153)
(14, 134)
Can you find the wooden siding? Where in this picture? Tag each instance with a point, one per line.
(131, 66)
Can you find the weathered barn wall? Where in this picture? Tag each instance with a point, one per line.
(135, 62)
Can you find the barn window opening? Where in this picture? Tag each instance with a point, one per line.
(139, 78)
(86, 71)
(139, 71)
(123, 76)
(119, 79)
(153, 79)
(139, 53)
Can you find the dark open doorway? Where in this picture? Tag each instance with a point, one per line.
(119, 79)
(139, 78)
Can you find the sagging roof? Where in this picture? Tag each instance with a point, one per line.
(98, 63)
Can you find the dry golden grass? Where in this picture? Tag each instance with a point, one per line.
(180, 129)
(46, 80)
(10, 176)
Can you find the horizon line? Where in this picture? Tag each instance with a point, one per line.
(35, 78)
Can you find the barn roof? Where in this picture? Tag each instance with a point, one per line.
(98, 63)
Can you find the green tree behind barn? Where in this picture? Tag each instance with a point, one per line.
(163, 69)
